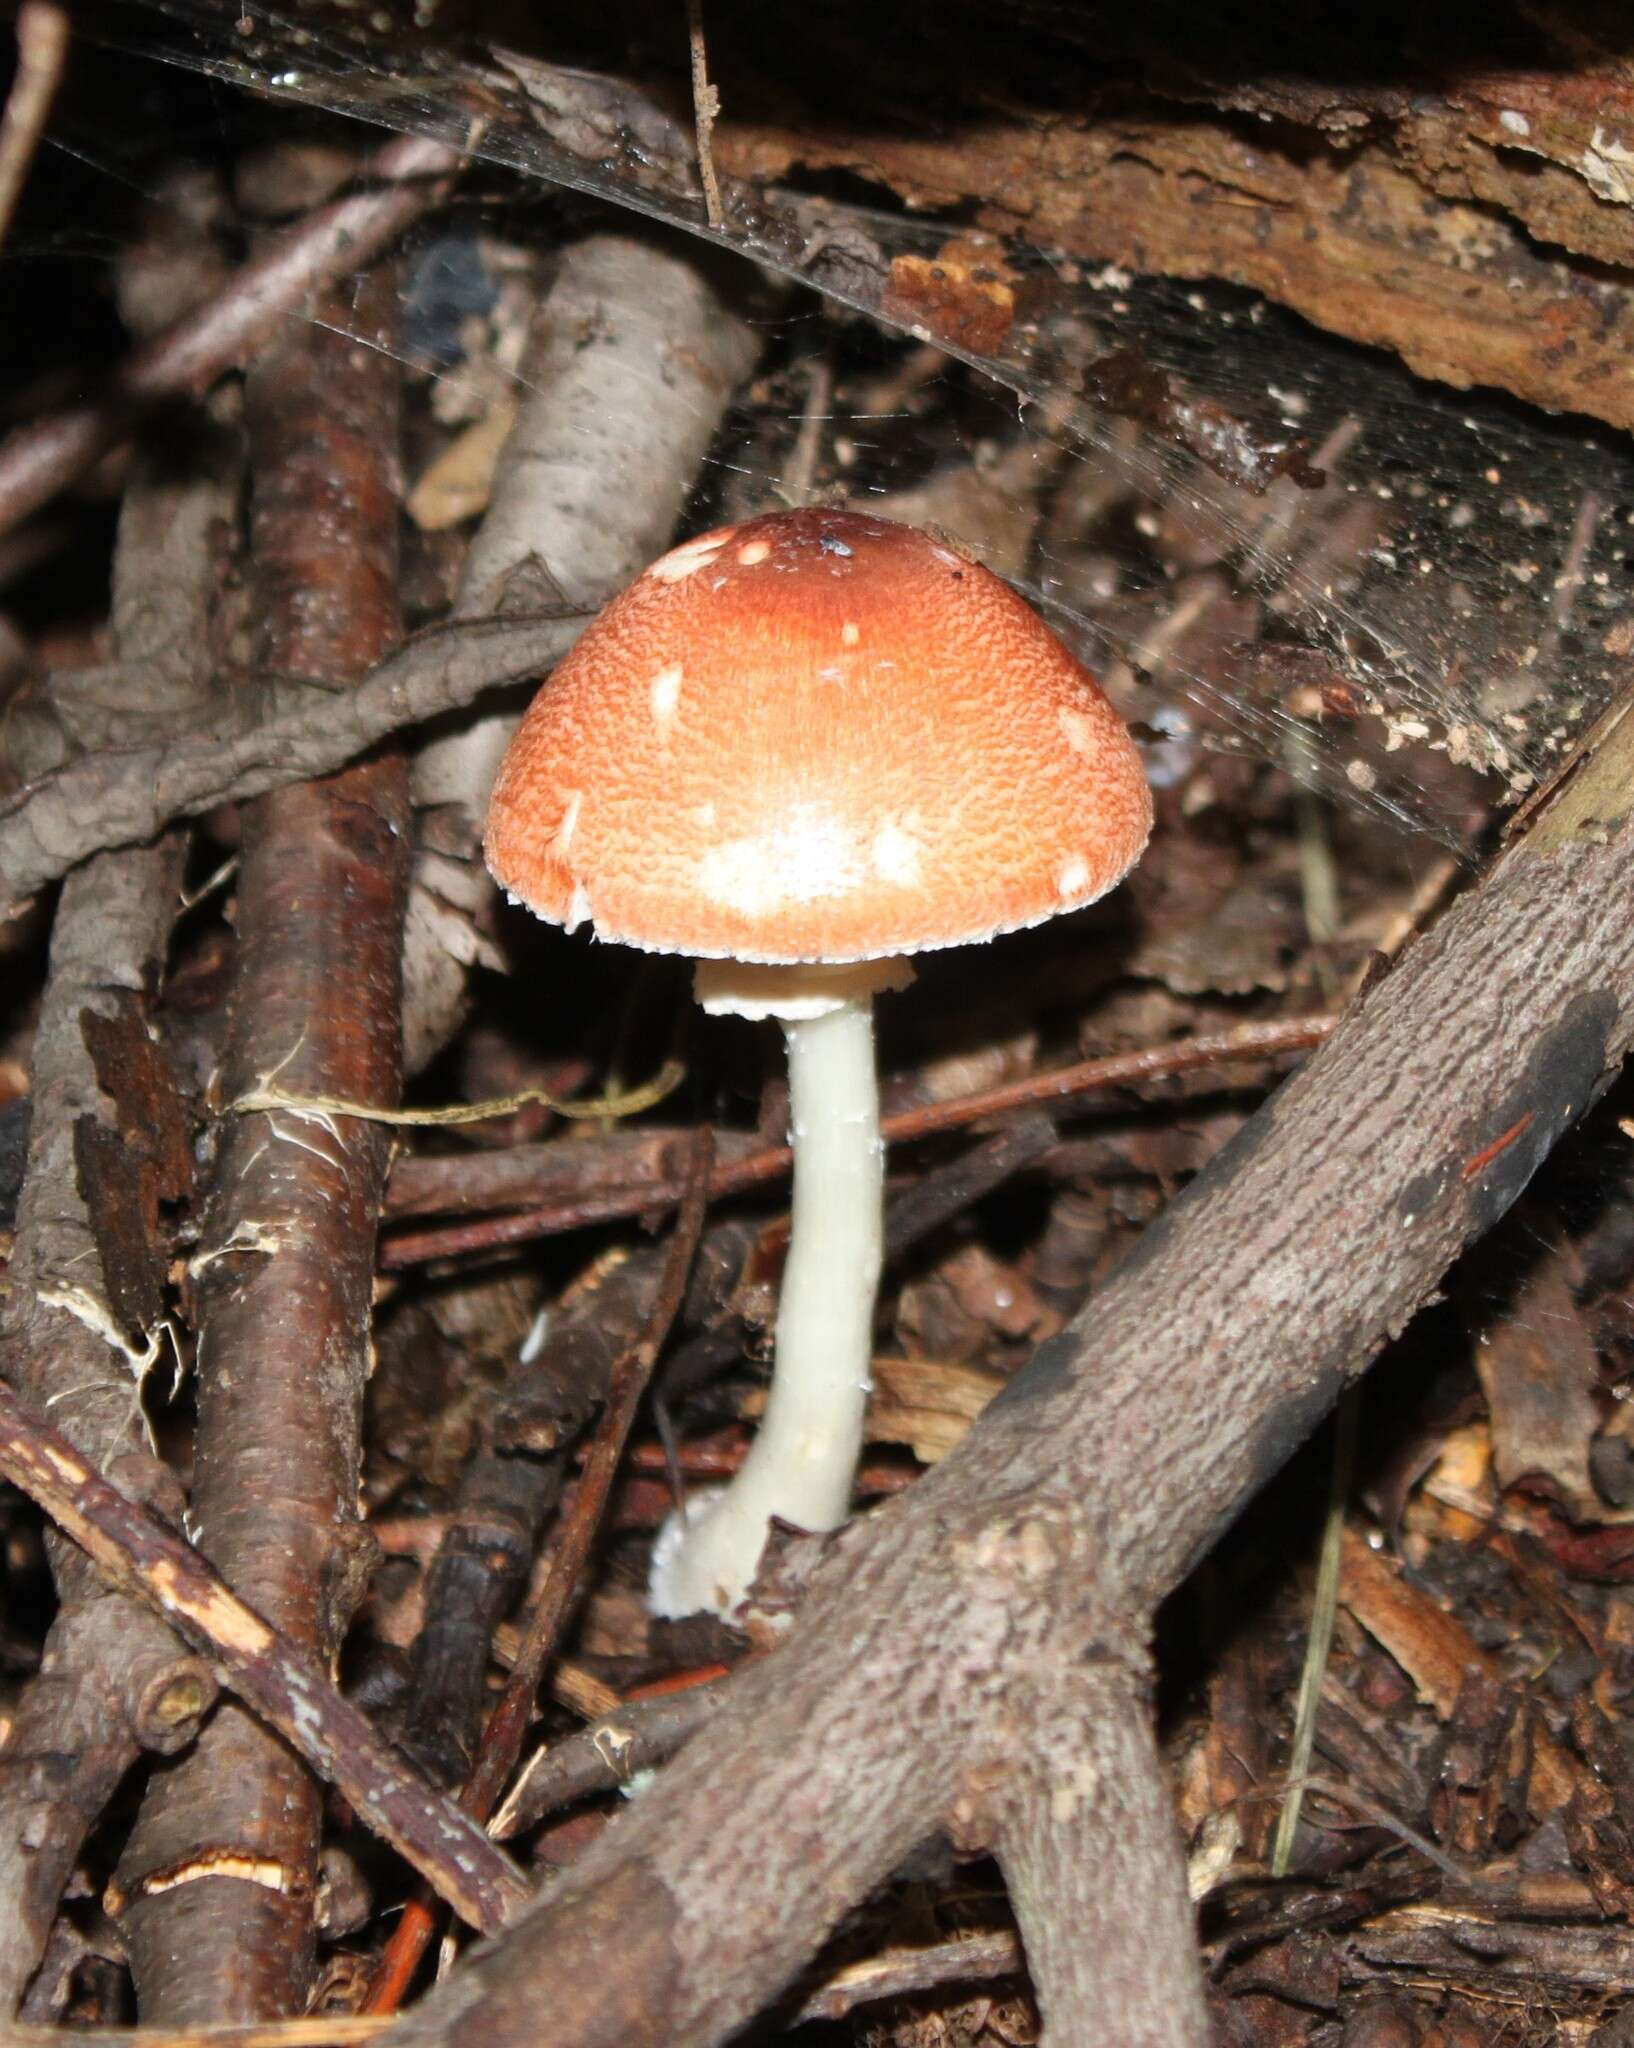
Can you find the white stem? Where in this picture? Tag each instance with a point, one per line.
(803, 1461)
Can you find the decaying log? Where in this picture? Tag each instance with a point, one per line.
(936, 1630)
(1336, 233)
(1472, 216)
(220, 1873)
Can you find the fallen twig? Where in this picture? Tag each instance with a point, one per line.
(395, 186)
(113, 1680)
(126, 794)
(1056, 1084)
(706, 107)
(42, 45)
(289, 1688)
(218, 1879)
(634, 1737)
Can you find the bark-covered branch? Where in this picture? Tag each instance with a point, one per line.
(288, 1688)
(405, 178)
(1077, 1806)
(118, 796)
(220, 1873)
(633, 357)
(113, 1681)
(935, 1629)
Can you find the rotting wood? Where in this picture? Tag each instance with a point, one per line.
(1469, 214)
(1091, 1487)
(1338, 236)
(1410, 214)
(284, 1271)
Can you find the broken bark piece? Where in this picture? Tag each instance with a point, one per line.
(129, 1175)
(1540, 1371)
(1478, 1804)
(1440, 1656)
(476, 1577)
(1600, 1814)
(963, 297)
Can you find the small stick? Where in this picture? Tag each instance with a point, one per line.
(948, 1190)
(397, 186)
(706, 106)
(508, 1724)
(288, 1688)
(800, 479)
(633, 1737)
(1244, 1041)
(42, 49)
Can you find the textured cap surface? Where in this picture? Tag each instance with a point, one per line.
(816, 736)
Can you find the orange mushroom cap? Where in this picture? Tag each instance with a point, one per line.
(817, 736)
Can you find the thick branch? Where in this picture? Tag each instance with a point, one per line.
(1105, 1469)
(632, 360)
(221, 1870)
(1083, 1823)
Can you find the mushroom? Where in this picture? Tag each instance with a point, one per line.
(796, 750)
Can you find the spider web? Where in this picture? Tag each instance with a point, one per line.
(1453, 591)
